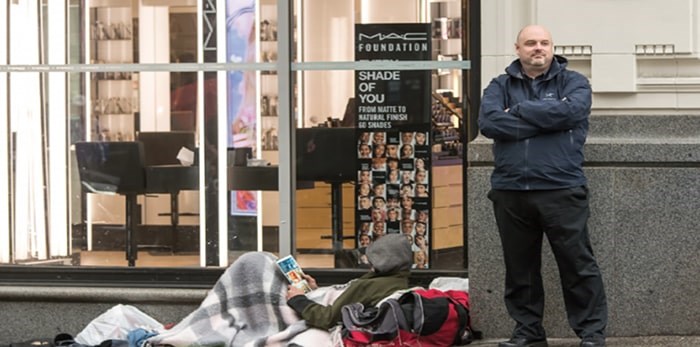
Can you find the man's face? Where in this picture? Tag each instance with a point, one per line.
(535, 49)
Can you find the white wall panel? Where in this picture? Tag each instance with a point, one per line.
(617, 26)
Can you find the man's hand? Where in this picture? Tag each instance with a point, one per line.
(293, 291)
(311, 281)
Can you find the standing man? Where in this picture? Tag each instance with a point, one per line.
(537, 115)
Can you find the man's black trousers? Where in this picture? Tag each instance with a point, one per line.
(523, 217)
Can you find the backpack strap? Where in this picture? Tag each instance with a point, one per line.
(463, 331)
(466, 334)
(417, 310)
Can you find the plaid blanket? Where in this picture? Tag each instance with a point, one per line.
(246, 307)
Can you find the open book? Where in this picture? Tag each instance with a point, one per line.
(291, 269)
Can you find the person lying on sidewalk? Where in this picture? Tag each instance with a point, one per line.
(390, 257)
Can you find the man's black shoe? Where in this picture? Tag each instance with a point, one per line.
(523, 342)
(593, 342)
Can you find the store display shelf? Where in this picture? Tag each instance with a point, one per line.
(442, 125)
(439, 138)
(446, 106)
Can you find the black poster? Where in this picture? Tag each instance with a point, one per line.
(393, 134)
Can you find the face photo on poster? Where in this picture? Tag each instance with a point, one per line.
(378, 229)
(407, 137)
(393, 176)
(407, 190)
(406, 151)
(364, 151)
(378, 138)
(379, 190)
(379, 203)
(364, 137)
(378, 164)
(406, 177)
(421, 176)
(364, 176)
(392, 164)
(378, 150)
(364, 202)
(421, 190)
(364, 189)
(392, 151)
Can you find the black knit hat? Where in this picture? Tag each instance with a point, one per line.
(390, 253)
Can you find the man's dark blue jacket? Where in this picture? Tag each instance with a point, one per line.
(538, 126)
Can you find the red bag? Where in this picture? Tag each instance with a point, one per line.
(439, 318)
(422, 317)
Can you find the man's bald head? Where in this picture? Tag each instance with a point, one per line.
(535, 49)
(533, 28)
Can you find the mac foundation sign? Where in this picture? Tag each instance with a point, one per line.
(393, 137)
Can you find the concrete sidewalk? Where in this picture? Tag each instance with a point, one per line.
(639, 341)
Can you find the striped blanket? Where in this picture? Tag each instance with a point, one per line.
(246, 307)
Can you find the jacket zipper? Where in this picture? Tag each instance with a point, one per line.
(527, 164)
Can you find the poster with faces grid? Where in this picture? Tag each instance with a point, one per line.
(393, 139)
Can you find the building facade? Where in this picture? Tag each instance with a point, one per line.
(239, 79)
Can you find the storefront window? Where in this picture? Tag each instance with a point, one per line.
(152, 133)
